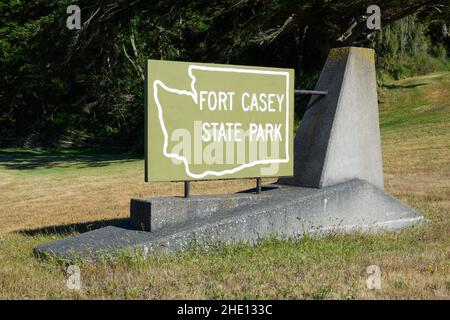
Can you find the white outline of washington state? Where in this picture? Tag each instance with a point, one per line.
(193, 94)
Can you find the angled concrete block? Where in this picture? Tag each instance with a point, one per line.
(339, 136)
(151, 214)
(286, 212)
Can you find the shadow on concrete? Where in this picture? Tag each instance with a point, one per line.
(23, 159)
(399, 86)
(68, 229)
(266, 187)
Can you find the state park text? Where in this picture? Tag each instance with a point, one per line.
(249, 102)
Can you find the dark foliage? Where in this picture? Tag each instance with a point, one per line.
(59, 86)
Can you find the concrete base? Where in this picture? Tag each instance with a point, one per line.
(152, 214)
(285, 212)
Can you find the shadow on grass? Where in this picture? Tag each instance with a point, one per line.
(68, 229)
(404, 86)
(23, 159)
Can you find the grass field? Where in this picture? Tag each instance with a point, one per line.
(49, 195)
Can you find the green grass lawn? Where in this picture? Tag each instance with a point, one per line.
(49, 195)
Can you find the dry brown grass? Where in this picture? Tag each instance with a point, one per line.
(415, 263)
(58, 196)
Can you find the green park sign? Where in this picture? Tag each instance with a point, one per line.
(209, 121)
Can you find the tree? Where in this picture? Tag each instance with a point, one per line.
(83, 85)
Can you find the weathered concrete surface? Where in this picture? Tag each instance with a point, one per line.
(151, 214)
(283, 213)
(339, 136)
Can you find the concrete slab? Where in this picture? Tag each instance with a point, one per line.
(151, 214)
(287, 212)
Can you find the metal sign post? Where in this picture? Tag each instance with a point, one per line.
(187, 189)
